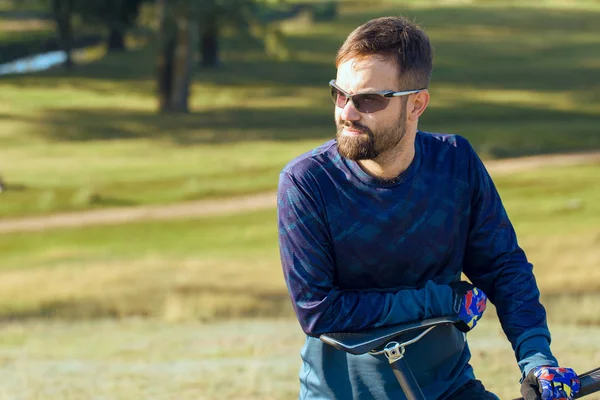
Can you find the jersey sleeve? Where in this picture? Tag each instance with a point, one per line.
(495, 263)
(309, 267)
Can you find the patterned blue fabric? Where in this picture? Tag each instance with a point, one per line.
(557, 383)
(359, 253)
(472, 307)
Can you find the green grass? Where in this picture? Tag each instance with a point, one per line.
(207, 268)
(543, 4)
(514, 81)
(228, 267)
(22, 37)
(113, 311)
(17, 31)
(259, 359)
(552, 200)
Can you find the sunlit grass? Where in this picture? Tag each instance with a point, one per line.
(208, 268)
(227, 267)
(131, 358)
(171, 289)
(541, 4)
(10, 27)
(445, 97)
(92, 138)
(138, 172)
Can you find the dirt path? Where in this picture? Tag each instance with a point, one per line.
(234, 205)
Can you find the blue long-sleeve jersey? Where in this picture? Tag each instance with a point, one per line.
(358, 252)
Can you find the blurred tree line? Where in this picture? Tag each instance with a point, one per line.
(117, 16)
(184, 28)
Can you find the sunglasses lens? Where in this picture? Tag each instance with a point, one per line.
(364, 103)
(368, 103)
(338, 98)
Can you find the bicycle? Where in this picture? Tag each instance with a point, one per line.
(387, 340)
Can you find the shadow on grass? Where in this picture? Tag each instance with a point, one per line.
(204, 127)
(496, 130)
(134, 73)
(477, 48)
(190, 306)
(9, 117)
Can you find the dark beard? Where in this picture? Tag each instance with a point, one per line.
(365, 146)
(356, 147)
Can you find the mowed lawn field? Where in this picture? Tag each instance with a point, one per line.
(228, 266)
(197, 308)
(513, 80)
(249, 359)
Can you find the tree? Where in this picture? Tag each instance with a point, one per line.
(62, 10)
(118, 16)
(253, 18)
(178, 33)
(186, 24)
(209, 43)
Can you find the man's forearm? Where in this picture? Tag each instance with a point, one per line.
(340, 311)
(533, 350)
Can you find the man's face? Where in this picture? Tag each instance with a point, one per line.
(364, 136)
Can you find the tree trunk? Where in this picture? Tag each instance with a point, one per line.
(183, 63)
(178, 40)
(166, 54)
(62, 10)
(209, 46)
(165, 58)
(116, 39)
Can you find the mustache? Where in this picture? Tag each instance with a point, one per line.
(352, 125)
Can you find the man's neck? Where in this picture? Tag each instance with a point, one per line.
(392, 163)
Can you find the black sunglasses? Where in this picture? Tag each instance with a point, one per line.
(368, 102)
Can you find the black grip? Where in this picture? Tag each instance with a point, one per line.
(590, 383)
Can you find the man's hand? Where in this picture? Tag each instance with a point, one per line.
(545, 383)
(470, 304)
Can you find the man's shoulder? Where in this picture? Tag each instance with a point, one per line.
(315, 158)
(446, 154)
(444, 140)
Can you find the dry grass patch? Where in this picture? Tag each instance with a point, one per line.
(566, 263)
(130, 359)
(174, 289)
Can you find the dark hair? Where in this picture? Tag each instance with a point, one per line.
(393, 38)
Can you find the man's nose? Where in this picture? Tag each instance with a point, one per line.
(349, 112)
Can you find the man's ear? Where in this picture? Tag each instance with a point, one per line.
(417, 106)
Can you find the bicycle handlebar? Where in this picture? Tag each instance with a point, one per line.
(590, 383)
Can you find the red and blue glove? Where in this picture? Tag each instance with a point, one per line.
(469, 304)
(546, 383)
